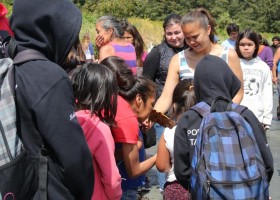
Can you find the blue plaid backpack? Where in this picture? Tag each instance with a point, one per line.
(227, 163)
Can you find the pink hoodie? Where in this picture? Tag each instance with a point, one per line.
(107, 180)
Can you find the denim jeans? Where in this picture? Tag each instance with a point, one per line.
(129, 194)
(278, 85)
(161, 176)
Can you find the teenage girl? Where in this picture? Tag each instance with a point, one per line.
(199, 30)
(183, 98)
(257, 77)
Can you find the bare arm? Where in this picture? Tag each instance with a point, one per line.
(133, 167)
(163, 159)
(234, 64)
(276, 59)
(106, 51)
(165, 100)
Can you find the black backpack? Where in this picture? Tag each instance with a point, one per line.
(21, 175)
(4, 41)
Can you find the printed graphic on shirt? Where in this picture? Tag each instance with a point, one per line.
(192, 136)
(251, 81)
(72, 116)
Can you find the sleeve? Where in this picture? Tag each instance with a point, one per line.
(261, 141)
(182, 163)
(151, 64)
(91, 49)
(269, 57)
(62, 133)
(267, 97)
(126, 134)
(103, 154)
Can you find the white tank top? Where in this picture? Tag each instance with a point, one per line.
(186, 72)
(169, 143)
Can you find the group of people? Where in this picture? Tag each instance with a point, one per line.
(91, 112)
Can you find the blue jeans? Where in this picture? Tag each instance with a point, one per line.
(129, 195)
(278, 84)
(161, 176)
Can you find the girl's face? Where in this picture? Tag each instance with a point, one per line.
(174, 35)
(196, 36)
(128, 37)
(105, 34)
(143, 110)
(247, 48)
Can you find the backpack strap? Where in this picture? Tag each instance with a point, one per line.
(224, 55)
(201, 108)
(22, 57)
(28, 55)
(221, 104)
(238, 108)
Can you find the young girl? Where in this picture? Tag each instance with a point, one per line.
(87, 48)
(256, 76)
(183, 98)
(136, 97)
(96, 111)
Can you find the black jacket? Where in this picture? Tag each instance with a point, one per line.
(211, 79)
(156, 64)
(44, 95)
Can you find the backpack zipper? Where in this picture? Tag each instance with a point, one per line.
(233, 182)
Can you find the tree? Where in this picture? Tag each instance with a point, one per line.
(261, 15)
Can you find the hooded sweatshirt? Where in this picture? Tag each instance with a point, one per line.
(257, 89)
(208, 84)
(44, 96)
(107, 179)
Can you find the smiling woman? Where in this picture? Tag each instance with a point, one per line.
(157, 62)
(199, 30)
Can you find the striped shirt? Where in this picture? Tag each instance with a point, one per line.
(127, 53)
(188, 73)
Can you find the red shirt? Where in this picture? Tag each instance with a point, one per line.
(127, 124)
(4, 22)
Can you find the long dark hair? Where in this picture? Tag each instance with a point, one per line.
(251, 35)
(129, 85)
(75, 57)
(95, 89)
(183, 97)
(138, 43)
(202, 16)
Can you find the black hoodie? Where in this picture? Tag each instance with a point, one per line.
(44, 95)
(212, 78)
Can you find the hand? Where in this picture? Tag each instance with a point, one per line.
(146, 125)
(275, 80)
(99, 41)
(266, 127)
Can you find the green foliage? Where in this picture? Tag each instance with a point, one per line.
(261, 15)
(147, 15)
